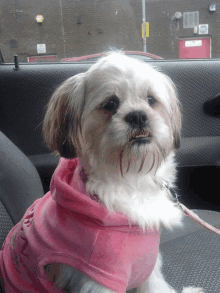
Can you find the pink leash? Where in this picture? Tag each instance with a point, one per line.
(196, 218)
(188, 212)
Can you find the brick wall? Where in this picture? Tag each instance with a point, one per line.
(75, 27)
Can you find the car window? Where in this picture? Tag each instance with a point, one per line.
(64, 30)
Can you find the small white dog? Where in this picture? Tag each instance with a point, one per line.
(118, 124)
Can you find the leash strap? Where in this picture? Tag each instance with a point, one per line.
(196, 218)
(188, 212)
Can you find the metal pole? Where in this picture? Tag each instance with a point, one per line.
(144, 27)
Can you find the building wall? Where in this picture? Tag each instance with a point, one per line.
(103, 24)
(165, 33)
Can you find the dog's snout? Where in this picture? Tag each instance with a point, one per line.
(136, 119)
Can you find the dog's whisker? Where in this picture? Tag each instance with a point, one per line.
(39, 124)
(129, 164)
(152, 163)
(142, 163)
(158, 162)
(121, 168)
(162, 151)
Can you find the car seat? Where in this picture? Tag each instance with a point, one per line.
(191, 255)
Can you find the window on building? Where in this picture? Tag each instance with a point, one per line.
(190, 19)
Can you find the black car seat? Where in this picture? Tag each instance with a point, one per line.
(191, 255)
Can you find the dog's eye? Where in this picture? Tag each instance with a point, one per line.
(151, 100)
(112, 104)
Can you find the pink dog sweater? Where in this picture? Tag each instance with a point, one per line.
(67, 226)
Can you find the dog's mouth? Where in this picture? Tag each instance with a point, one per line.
(141, 137)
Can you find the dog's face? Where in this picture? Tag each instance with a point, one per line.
(121, 113)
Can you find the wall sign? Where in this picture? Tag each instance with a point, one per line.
(203, 29)
(194, 43)
(39, 18)
(41, 48)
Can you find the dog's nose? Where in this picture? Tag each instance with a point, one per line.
(136, 119)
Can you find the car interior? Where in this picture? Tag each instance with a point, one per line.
(192, 253)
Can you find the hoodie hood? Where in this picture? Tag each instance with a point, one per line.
(68, 190)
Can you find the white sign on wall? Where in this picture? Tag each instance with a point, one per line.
(194, 43)
(39, 18)
(41, 48)
(203, 29)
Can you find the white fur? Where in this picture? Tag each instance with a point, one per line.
(139, 197)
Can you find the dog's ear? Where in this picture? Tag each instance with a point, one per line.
(63, 116)
(175, 112)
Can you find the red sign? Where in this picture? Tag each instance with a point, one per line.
(194, 48)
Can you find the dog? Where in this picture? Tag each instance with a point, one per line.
(115, 128)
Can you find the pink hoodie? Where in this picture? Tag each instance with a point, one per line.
(67, 226)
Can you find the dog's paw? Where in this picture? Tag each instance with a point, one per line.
(193, 290)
